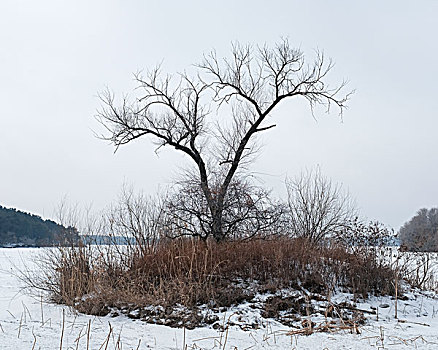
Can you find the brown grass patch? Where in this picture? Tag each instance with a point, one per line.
(191, 273)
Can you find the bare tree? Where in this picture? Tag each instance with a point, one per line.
(135, 219)
(248, 211)
(318, 207)
(213, 116)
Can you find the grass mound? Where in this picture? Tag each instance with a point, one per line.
(174, 280)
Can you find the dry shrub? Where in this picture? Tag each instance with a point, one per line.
(193, 272)
(419, 269)
(64, 272)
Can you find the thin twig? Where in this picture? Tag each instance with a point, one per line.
(62, 330)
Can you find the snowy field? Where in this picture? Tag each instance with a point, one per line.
(28, 322)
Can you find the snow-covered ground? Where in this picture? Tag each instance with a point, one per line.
(28, 322)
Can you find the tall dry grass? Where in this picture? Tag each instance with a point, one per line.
(192, 272)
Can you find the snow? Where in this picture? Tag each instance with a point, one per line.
(29, 322)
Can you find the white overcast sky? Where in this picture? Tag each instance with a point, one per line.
(55, 56)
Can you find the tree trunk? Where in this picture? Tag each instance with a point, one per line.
(216, 228)
(216, 225)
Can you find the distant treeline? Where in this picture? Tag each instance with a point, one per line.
(420, 234)
(18, 228)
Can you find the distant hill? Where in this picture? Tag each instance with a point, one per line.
(18, 228)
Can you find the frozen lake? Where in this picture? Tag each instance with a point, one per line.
(27, 322)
